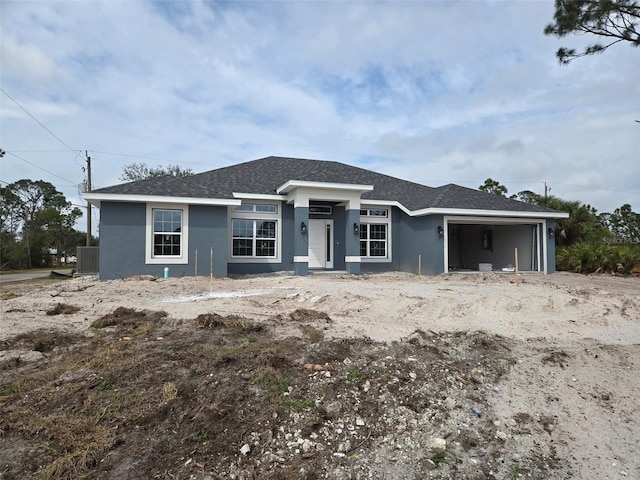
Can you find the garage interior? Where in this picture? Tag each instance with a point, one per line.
(491, 247)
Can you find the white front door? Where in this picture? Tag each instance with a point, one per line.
(320, 243)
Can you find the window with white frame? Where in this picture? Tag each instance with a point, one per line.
(374, 212)
(373, 240)
(257, 207)
(254, 238)
(254, 229)
(167, 234)
(375, 234)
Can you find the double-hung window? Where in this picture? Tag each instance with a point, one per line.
(167, 233)
(375, 234)
(255, 231)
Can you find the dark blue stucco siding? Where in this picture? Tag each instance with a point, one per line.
(122, 232)
(339, 238)
(122, 242)
(411, 237)
(551, 247)
(419, 241)
(207, 231)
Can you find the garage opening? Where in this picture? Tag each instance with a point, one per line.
(491, 246)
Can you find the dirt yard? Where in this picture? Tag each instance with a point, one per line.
(389, 376)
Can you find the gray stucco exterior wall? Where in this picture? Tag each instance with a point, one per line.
(412, 237)
(207, 230)
(287, 245)
(301, 241)
(122, 232)
(551, 247)
(418, 236)
(123, 240)
(352, 241)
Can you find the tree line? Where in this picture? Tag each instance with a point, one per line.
(587, 241)
(36, 219)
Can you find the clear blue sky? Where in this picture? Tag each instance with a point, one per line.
(434, 92)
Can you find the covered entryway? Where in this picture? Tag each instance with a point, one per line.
(320, 243)
(490, 244)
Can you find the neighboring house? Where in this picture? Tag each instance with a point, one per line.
(288, 214)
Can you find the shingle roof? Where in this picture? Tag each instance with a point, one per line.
(265, 175)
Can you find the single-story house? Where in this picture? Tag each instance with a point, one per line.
(290, 214)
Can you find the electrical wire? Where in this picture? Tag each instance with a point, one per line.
(43, 169)
(38, 121)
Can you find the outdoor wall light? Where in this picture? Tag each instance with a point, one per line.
(303, 228)
(356, 229)
(440, 231)
(552, 232)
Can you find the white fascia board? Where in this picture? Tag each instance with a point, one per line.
(386, 203)
(486, 213)
(96, 198)
(259, 196)
(293, 184)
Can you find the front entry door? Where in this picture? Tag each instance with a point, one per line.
(320, 243)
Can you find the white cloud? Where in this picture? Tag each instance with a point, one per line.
(436, 92)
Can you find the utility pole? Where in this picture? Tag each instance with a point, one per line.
(545, 190)
(88, 203)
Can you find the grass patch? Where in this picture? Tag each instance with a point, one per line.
(11, 388)
(515, 470)
(354, 375)
(438, 456)
(298, 404)
(41, 340)
(8, 295)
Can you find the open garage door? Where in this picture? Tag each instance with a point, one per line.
(489, 245)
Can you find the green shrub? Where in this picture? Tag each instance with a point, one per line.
(592, 258)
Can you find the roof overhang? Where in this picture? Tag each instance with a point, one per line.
(259, 196)
(487, 213)
(349, 187)
(465, 211)
(97, 198)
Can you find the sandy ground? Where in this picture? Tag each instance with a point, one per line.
(577, 337)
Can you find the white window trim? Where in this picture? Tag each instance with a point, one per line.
(239, 215)
(150, 259)
(378, 220)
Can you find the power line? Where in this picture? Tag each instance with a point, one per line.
(39, 167)
(38, 121)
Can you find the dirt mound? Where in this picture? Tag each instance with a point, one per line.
(41, 340)
(127, 318)
(307, 315)
(213, 320)
(63, 309)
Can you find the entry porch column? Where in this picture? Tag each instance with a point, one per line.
(301, 238)
(352, 237)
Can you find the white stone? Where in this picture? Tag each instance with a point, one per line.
(439, 443)
(307, 446)
(245, 449)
